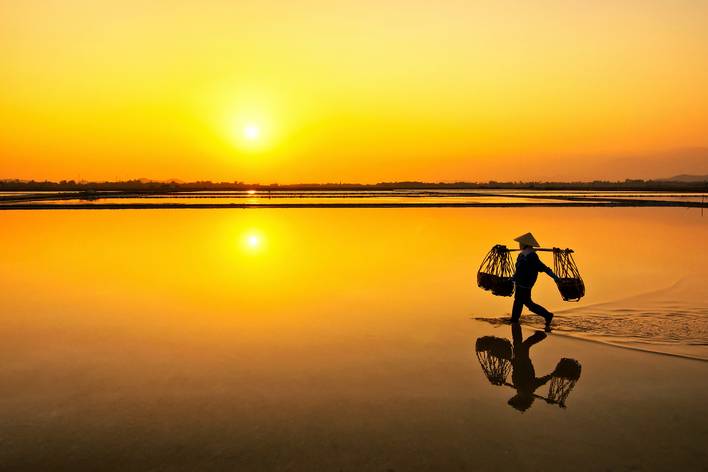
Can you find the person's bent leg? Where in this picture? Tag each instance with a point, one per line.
(519, 301)
(538, 309)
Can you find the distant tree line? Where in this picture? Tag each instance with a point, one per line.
(142, 185)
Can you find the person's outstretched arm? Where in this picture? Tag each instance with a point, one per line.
(542, 381)
(544, 268)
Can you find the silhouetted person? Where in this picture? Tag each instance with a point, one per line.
(523, 375)
(528, 265)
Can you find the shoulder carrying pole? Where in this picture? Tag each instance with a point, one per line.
(545, 249)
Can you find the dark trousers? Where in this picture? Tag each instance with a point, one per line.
(522, 297)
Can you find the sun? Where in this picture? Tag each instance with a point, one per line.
(253, 241)
(251, 132)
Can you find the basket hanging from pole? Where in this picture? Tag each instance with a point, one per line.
(496, 272)
(570, 283)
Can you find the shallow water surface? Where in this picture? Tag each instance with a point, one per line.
(341, 339)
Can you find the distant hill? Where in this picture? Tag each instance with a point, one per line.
(658, 166)
(686, 178)
(686, 162)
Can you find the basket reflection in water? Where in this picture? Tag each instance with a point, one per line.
(494, 355)
(565, 376)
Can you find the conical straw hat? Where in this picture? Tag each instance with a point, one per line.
(527, 240)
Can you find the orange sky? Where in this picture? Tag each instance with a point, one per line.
(352, 90)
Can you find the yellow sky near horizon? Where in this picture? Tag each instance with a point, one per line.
(347, 91)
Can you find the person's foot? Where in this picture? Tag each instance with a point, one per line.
(548, 322)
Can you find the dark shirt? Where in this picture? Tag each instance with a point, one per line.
(527, 269)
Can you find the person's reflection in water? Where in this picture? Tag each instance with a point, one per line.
(523, 375)
(498, 357)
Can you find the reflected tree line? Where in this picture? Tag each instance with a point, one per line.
(508, 364)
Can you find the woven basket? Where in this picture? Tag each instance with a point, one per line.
(495, 272)
(571, 289)
(570, 283)
(500, 286)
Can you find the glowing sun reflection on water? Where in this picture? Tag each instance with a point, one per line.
(252, 241)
